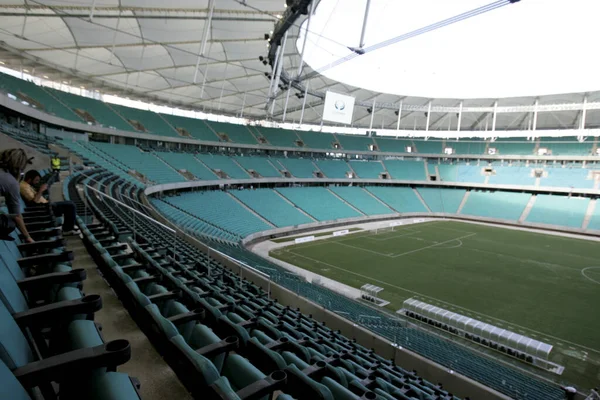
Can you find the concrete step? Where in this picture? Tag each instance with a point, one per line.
(348, 204)
(463, 202)
(527, 209)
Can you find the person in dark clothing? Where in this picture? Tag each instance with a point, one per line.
(12, 164)
(66, 209)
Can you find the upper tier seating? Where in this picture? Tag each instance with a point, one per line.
(400, 199)
(197, 128)
(394, 145)
(560, 146)
(333, 168)
(367, 169)
(460, 173)
(279, 137)
(355, 142)
(192, 224)
(317, 140)
(189, 163)
(513, 146)
(512, 176)
(319, 203)
(235, 133)
(361, 200)
(406, 170)
(442, 200)
(262, 165)
(467, 147)
(298, 167)
(144, 163)
(567, 177)
(428, 146)
(502, 205)
(559, 210)
(223, 163)
(100, 111)
(220, 209)
(272, 207)
(145, 121)
(36, 96)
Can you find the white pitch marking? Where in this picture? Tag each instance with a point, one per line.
(445, 302)
(433, 245)
(587, 277)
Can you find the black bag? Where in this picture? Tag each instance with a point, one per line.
(7, 225)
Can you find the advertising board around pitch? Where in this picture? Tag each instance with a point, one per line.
(338, 108)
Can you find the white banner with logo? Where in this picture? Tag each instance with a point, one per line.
(304, 239)
(341, 233)
(416, 221)
(397, 223)
(338, 108)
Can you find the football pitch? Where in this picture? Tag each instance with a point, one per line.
(543, 286)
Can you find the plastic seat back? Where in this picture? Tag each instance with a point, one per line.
(10, 293)
(14, 348)
(10, 387)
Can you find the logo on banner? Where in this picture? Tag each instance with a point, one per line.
(340, 105)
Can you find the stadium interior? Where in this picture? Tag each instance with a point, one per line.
(249, 227)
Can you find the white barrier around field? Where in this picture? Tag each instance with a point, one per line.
(419, 220)
(397, 223)
(341, 233)
(304, 239)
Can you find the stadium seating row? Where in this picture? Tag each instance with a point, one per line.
(167, 167)
(224, 337)
(51, 346)
(95, 112)
(184, 274)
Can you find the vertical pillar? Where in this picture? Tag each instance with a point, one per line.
(535, 114)
(211, 7)
(583, 113)
(243, 105)
(428, 116)
(494, 117)
(287, 99)
(372, 114)
(460, 111)
(303, 104)
(279, 69)
(364, 27)
(310, 13)
(399, 115)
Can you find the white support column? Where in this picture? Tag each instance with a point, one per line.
(310, 13)
(243, 105)
(364, 27)
(280, 68)
(92, 9)
(372, 113)
(460, 110)
(495, 116)
(399, 115)
(583, 113)
(303, 103)
(428, 116)
(112, 49)
(275, 66)
(287, 99)
(535, 114)
(205, 33)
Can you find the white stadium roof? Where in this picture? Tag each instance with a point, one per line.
(149, 50)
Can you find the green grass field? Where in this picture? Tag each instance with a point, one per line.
(544, 286)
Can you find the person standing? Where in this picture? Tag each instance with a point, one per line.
(66, 209)
(55, 164)
(12, 165)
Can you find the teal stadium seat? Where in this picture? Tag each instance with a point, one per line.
(501, 205)
(272, 207)
(361, 199)
(367, 169)
(400, 199)
(319, 203)
(559, 210)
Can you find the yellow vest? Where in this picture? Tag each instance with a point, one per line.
(55, 163)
